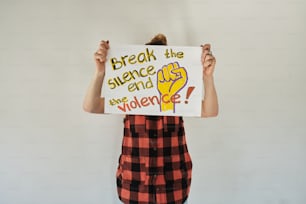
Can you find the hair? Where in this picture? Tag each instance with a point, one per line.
(159, 39)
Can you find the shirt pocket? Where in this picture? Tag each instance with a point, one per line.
(131, 171)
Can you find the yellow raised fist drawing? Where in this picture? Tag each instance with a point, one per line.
(171, 79)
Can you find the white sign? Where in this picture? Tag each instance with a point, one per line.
(153, 80)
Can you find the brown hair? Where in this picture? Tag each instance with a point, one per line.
(159, 39)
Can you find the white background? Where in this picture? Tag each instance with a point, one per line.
(52, 152)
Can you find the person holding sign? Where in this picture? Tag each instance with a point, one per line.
(154, 165)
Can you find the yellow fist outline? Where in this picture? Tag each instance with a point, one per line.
(171, 79)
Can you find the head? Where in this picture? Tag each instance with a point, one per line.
(159, 39)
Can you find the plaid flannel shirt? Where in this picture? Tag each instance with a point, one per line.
(154, 166)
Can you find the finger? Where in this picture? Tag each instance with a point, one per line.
(104, 47)
(209, 57)
(205, 47)
(208, 63)
(160, 76)
(205, 53)
(104, 44)
(166, 71)
(214, 60)
(176, 69)
(100, 57)
(180, 72)
(100, 52)
(173, 70)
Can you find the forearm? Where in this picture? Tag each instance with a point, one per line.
(93, 102)
(210, 105)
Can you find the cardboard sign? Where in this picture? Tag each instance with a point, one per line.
(153, 80)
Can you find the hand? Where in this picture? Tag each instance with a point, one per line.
(100, 55)
(208, 61)
(170, 80)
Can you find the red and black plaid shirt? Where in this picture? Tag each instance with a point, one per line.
(155, 166)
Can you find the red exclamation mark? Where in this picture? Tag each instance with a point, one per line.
(189, 91)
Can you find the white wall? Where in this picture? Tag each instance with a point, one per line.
(52, 152)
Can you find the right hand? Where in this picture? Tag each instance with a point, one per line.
(100, 55)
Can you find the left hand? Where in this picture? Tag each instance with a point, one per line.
(208, 61)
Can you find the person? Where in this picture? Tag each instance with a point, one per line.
(154, 165)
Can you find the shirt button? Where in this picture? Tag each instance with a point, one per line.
(154, 178)
(154, 148)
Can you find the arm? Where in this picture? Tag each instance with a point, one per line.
(93, 102)
(210, 105)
